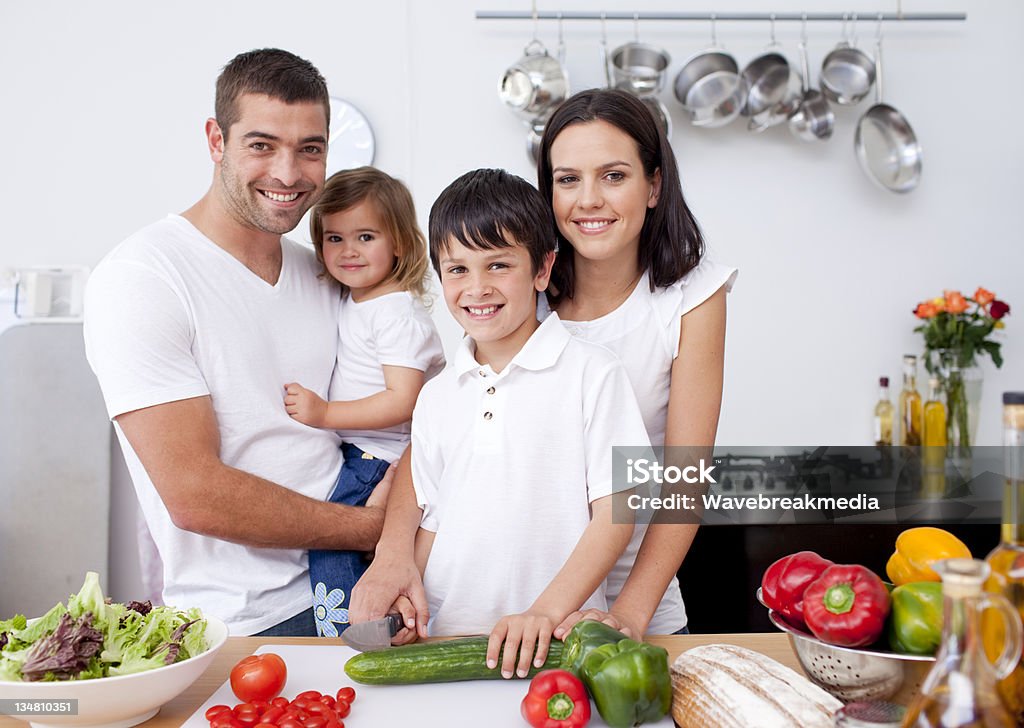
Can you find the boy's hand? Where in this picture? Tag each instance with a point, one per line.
(407, 634)
(304, 405)
(520, 633)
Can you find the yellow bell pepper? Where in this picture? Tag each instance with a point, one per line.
(917, 549)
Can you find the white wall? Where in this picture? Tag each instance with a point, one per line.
(105, 104)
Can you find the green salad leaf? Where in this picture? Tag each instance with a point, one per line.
(91, 638)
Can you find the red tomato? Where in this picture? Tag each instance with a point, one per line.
(347, 694)
(258, 677)
(289, 723)
(215, 710)
(342, 708)
(308, 695)
(272, 715)
(280, 702)
(316, 721)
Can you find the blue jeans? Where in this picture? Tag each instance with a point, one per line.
(301, 625)
(332, 574)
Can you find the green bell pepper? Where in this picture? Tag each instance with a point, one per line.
(586, 635)
(915, 623)
(629, 682)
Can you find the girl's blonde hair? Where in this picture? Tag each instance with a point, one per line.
(348, 188)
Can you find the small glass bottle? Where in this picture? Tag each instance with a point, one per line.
(883, 415)
(1007, 559)
(910, 404)
(933, 454)
(960, 690)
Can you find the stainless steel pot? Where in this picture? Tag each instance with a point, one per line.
(639, 68)
(710, 88)
(534, 83)
(813, 119)
(847, 73)
(780, 112)
(661, 116)
(885, 143)
(534, 134)
(767, 80)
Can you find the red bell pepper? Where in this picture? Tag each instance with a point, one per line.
(556, 699)
(784, 582)
(847, 606)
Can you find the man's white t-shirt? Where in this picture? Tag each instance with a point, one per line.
(169, 315)
(644, 333)
(390, 330)
(505, 466)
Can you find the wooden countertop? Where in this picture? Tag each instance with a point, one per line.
(176, 712)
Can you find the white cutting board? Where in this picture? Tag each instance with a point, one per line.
(491, 703)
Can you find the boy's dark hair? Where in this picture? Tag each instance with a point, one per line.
(671, 244)
(490, 208)
(270, 71)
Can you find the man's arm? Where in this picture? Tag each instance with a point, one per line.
(179, 445)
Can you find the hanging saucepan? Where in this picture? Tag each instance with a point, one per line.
(767, 78)
(814, 118)
(637, 67)
(709, 86)
(886, 146)
(534, 133)
(534, 83)
(847, 72)
(780, 112)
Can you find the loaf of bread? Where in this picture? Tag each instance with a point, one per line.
(733, 687)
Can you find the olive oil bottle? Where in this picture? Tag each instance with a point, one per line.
(883, 415)
(910, 404)
(933, 452)
(1007, 559)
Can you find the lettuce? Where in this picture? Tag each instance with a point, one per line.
(91, 638)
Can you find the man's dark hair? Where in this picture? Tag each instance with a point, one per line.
(490, 208)
(270, 71)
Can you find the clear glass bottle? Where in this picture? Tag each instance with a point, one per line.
(883, 415)
(910, 404)
(960, 690)
(933, 439)
(1007, 559)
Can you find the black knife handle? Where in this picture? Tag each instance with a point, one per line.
(396, 623)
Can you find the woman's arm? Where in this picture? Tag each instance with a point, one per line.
(695, 400)
(391, 406)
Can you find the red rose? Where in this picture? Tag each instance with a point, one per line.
(998, 309)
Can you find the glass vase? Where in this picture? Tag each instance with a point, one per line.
(961, 381)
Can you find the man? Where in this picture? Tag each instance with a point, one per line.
(194, 324)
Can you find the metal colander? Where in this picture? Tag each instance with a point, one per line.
(854, 674)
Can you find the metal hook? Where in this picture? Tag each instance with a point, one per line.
(878, 30)
(536, 19)
(604, 28)
(846, 32)
(803, 29)
(772, 19)
(853, 29)
(714, 34)
(636, 27)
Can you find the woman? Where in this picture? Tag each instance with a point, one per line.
(631, 275)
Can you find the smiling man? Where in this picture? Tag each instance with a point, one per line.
(194, 324)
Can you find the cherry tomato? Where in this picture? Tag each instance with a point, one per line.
(289, 723)
(308, 695)
(272, 715)
(327, 700)
(342, 708)
(280, 702)
(347, 694)
(258, 677)
(215, 710)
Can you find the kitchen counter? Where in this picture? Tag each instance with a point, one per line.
(176, 712)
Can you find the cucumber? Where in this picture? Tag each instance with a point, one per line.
(432, 662)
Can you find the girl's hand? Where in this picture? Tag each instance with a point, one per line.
(520, 633)
(304, 405)
(615, 621)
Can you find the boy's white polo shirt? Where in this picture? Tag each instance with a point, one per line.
(505, 465)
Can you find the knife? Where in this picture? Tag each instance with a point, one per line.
(375, 635)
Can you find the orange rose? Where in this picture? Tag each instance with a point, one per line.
(926, 310)
(984, 297)
(955, 303)
(940, 304)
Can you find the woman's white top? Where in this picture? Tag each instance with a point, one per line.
(644, 332)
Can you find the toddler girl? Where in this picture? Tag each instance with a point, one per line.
(365, 233)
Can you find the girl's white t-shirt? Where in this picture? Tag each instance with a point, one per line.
(644, 332)
(390, 330)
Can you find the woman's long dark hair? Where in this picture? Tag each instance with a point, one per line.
(671, 244)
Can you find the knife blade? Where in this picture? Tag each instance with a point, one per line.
(375, 635)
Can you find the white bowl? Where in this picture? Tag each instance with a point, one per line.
(116, 702)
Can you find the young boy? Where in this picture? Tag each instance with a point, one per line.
(512, 443)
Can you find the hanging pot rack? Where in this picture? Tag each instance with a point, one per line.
(715, 16)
